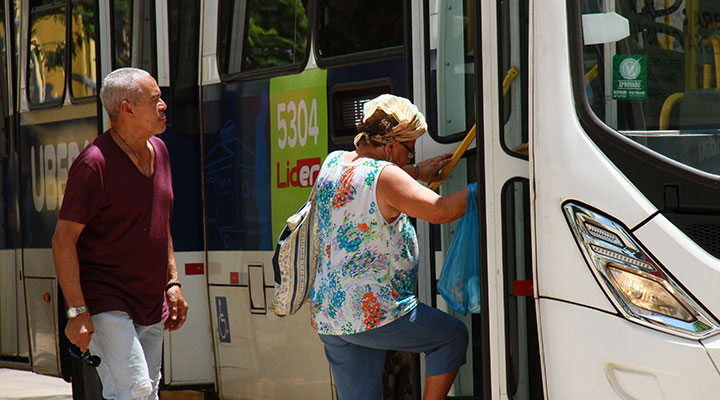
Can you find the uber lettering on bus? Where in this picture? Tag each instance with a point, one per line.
(49, 166)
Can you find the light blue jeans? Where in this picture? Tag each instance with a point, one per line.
(131, 356)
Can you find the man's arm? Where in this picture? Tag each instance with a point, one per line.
(177, 306)
(79, 329)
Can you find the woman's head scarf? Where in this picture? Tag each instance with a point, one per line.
(411, 122)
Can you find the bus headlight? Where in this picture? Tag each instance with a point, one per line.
(636, 283)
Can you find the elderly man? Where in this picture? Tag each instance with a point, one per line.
(112, 245)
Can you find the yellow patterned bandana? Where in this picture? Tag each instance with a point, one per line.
(411, 122)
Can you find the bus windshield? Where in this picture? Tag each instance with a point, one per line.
(652, 72)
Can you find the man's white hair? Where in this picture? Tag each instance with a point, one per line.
(120, 85)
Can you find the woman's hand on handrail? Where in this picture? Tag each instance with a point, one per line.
(430, 168)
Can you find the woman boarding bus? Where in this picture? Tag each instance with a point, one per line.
(595, 157)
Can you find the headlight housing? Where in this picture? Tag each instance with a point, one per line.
(635, 282)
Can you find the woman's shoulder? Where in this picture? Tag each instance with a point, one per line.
(333, 158)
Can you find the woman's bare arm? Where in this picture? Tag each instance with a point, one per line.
(398, 192)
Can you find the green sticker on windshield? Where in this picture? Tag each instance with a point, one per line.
(629, 77)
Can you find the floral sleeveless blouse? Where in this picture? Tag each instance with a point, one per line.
(368, 268)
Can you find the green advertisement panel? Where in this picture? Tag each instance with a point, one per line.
(298, 140)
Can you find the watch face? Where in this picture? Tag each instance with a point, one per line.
(73, 312)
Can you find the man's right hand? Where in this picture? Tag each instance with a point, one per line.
(79, 330)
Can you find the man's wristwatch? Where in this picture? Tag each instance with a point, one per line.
(73, 312)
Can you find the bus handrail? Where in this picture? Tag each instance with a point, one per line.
(715, 42)
(510, 76)
(455, 158)
(667, 108)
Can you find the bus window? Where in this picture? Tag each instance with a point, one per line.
(522, 352)
(658, 85)
(262, 34)
(133, 35)
(122, 33)
(15, 32)
(184, 32)
(83, 75)
(452, 69)
(359, 26)
(3, 48)
(4, 92)
(46, 57)
(513, 62)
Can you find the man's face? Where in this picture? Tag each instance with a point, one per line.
(150, 109)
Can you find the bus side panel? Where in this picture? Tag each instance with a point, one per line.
(13, 335)
(259, 355)
(42, 305)
(236, 166)
(264, 142)
(47, 150)
(264, 356)
(188, 357)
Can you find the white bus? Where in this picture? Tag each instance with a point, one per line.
(597, 158)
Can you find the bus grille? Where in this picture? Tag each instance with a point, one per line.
(706, 236)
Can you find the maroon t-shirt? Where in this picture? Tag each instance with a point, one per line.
(123, 250)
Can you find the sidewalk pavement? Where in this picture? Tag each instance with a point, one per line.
(26, 385)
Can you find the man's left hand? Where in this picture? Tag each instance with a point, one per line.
(177, 307)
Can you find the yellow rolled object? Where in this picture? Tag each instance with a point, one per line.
(667, 108)
(455, 158)
(707, 75)
(715, 41)
(510, 76)
(592, 74)
(668, 21)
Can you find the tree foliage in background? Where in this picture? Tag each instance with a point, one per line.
(83, 13)
(123, 30)
(276, 33)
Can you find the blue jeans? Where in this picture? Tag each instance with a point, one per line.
(131, 356)
(357, 360)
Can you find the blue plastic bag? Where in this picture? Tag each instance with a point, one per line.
(459, 282)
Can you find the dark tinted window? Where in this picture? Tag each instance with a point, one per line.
(184, 30)
(353, 26)
(4, 92)
(122, 33)
(262, 34)
(133, 34)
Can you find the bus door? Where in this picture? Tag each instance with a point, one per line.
(13, 324)
(486, 90)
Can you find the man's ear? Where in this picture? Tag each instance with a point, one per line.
(126, 107)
